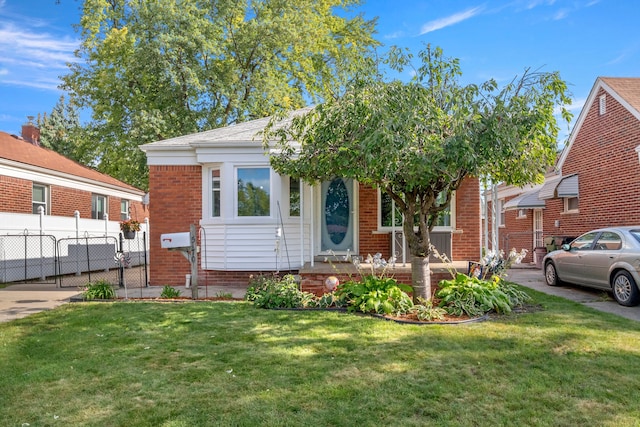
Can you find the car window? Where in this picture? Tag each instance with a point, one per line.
(584, 242)
(636, 234)
(608, 240)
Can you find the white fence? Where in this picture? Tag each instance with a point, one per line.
(28, 248)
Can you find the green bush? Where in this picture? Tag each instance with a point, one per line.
(473, 296)
(276, 292)
(169, 292)
(427, 312)
(373, 294)
(99, 290)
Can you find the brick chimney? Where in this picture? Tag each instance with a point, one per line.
(30, 132)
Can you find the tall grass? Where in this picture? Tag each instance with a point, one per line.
(230, 364)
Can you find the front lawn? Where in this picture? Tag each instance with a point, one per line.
(231, 364)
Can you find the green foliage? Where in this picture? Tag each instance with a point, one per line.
(99, 290)
(61, 131)
(417, 141)
(274, 292)
(427, 312)
(169, 292)
(372, 294)
(472, 296)
(151, 70)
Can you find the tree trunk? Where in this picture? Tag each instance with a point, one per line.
(420, 278)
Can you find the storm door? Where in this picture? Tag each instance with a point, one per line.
(337, 222)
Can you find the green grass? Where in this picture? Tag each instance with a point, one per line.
(230, 364)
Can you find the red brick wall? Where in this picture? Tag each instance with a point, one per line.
(15, 195)
(177, 203)
(466, 241)
(603, 154)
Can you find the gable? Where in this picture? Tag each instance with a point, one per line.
(623, 91)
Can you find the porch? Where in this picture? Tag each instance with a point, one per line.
(313, 276)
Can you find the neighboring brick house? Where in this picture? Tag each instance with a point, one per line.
(34, 177)
(253, 220)
(596, 181)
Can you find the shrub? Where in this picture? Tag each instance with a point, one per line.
(382, 295)
(169, 292)
(426, 311)
(472, 296)
(275, 292)
(99, 290)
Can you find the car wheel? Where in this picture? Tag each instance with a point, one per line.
(551, 275)
(625, 290)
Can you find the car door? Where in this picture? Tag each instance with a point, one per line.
(571, 264)
(597, 261)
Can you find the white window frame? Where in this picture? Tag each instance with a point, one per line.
(501, 213)
(213, 190)
(521, 214)
(95, 214)
(565, 202)
(124, 209)
(45, 203)
(236, 169)
(388, 228)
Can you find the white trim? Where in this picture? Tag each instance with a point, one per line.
(61, 179)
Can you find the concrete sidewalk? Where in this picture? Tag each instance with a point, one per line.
(21, 300)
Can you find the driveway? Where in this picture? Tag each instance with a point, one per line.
(533, 278)
(21, 300)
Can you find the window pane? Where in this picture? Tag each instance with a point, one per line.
(444, 220)
(608, 241)
(124, 209)
(294, 197)
(215, 192)
(572, 203)
(584, 242)
(98, 206)
(39, 198)
(254, 192)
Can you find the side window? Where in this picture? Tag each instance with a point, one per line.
(571, 204)
(294, 197)
(215, 192)
(39, 198)
(98, 206)
(608, 241)
(500, 213)
(584, 242)
(254, 192)
(124, 210)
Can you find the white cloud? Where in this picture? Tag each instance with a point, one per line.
(33, 58)
(447, 21)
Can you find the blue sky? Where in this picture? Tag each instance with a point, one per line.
(582, 39)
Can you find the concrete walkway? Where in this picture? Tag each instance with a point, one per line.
(21, 300)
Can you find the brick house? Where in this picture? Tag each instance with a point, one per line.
(252, 220)
(596, 181)
(34, 178)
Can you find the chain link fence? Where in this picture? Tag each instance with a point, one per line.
(74, 262)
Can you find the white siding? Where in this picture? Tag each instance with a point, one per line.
(253, 247)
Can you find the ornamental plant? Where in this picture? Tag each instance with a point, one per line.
(129, 225)
(99, 290)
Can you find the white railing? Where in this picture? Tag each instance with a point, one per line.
(61, 227)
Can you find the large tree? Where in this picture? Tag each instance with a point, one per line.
(417, 141)
(61, 131)
(150, 70)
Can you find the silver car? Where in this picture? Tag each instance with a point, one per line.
(607, 258)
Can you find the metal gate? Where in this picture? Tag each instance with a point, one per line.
(117, 261)
(28, 257)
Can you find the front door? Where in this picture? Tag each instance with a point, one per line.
(336, 216)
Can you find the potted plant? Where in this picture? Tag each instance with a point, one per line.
(129, 228)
